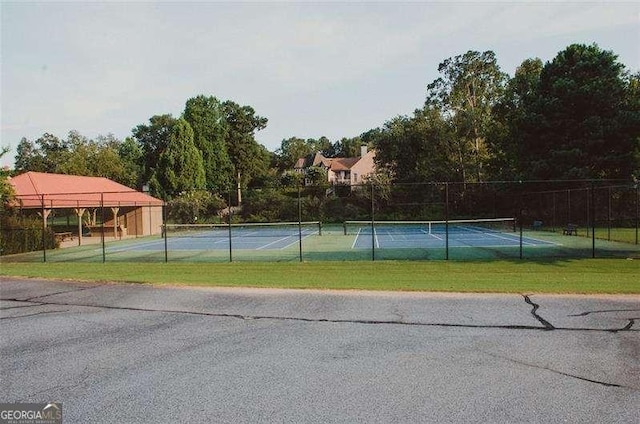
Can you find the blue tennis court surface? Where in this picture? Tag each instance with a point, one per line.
(245, 239)
(422, 238)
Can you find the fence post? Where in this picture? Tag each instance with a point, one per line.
(300, 221)
(373, 226)
(593, 220)
(229, 221)
(588, 213)
(44, 232)
(165, 231)
(104, 250)
(637, 209)
(446, 221)
(520, 207)
(568, 205)
(609, 215)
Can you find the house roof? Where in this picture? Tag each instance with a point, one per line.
(300, 163)
(73, 191)
(343, 164)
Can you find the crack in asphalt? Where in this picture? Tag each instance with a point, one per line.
(62, 292)
(589, 380)
(584, 314)
(336, 321)
(22, 306)
(31, 315)
(547, 325)
(627, 327)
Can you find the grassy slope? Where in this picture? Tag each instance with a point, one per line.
(566, 276)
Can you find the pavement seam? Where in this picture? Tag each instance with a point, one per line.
(31, 315)
(63, 292)
(335, 321)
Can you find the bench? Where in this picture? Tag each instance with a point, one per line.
(570, 230)
(537, 225)
(60, 237)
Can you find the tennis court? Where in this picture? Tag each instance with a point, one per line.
(253, 236)
(436, 234)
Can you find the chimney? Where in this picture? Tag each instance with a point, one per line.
(363, 150)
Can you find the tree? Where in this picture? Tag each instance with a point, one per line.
(180, 167)
(631, 118)
(292, 149)
(471, 85)
(582, 122)
(246, 155)
(415, 149)
(348, 147)
(55, 152)
(322, 145)
(153, 140)
(28, 157)
(503, 139)
(207, 118)
(131, 155)
(6, 191)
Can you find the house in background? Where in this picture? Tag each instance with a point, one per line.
(341, 171)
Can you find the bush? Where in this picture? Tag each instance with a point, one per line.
(269, 206)
(195, 206)
(21, 236)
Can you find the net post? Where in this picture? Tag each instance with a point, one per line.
(319, 228)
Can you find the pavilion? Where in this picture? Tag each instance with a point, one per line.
(132, 212)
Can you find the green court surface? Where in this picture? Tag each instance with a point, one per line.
(334, 245)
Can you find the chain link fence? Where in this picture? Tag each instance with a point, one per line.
(434, 221)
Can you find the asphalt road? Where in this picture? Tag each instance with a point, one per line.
(116, 353)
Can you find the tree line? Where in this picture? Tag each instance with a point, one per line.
(574, 117)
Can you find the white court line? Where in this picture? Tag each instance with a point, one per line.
(432, 235)
(273, 242)
(131, 247)
(296, 240)
(284, 238)
(353, 246)
(514, 238)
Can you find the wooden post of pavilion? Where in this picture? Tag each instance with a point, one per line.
(115, 210)
(80, 212)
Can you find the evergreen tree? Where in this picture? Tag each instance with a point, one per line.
(582, 122)
(180, 167)
(207, 118)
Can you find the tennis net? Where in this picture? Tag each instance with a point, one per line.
(493, 225)
(253, 229)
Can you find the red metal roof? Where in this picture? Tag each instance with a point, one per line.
(72, 191)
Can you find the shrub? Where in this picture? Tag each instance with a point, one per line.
(21, 236)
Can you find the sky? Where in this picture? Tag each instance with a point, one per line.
(334, 69)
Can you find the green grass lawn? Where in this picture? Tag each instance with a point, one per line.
(548, 276)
